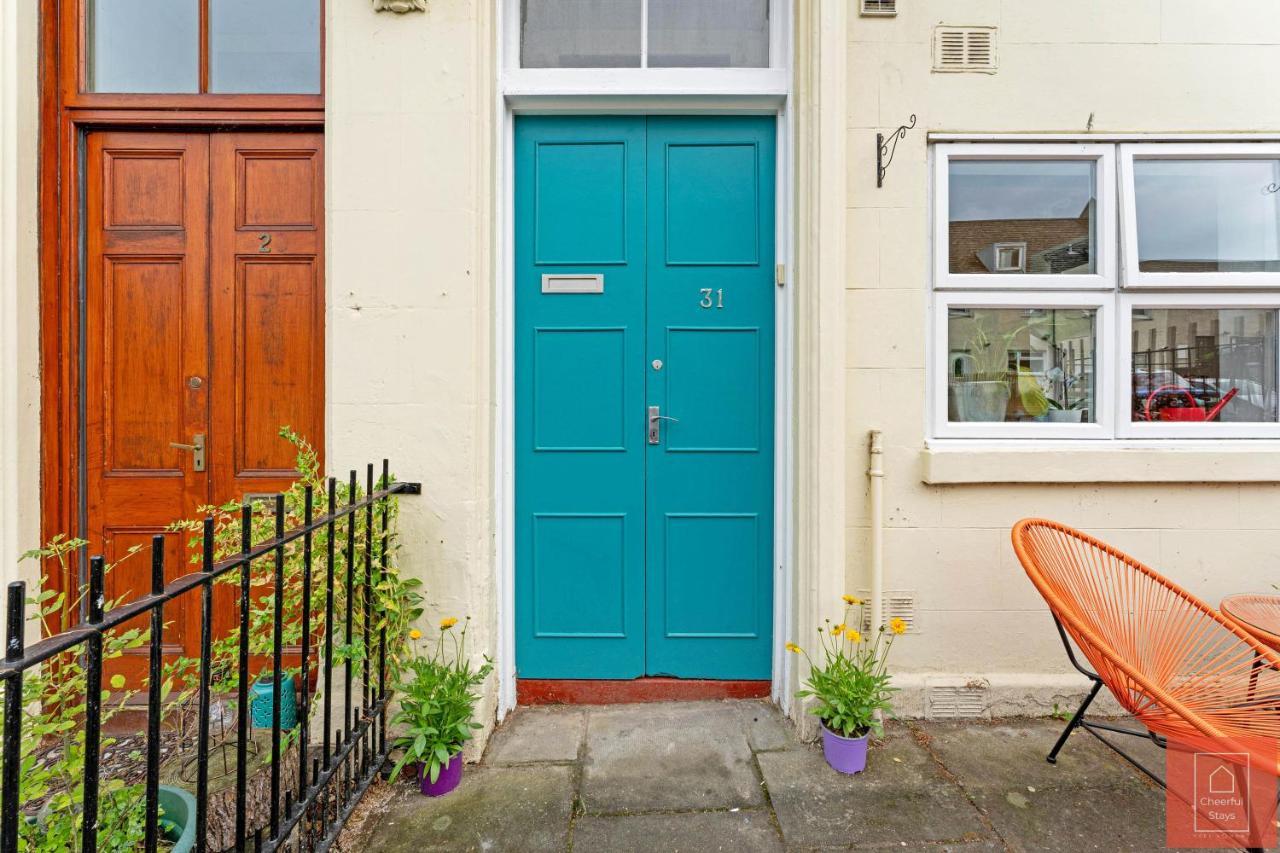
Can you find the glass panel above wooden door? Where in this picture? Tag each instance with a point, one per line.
(257, 47)
(252, 47)
(147, 46)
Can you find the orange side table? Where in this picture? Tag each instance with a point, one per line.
(1256, 615)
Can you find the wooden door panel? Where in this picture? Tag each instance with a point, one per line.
(275, 362)
(267, 266)
(147, 335)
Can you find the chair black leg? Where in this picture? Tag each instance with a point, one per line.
(1075, 721)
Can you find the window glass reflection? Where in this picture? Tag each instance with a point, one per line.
(1204, 364)
(580, 33)
(143, 46)
(1208, 215)
(1021, 217)
(257, 47)
(1021, 364)
(709, 34)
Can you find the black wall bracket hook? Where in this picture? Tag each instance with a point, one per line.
(885, 148)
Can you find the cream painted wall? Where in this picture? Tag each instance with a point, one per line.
(1142, 65)
(19, 293)
(409, 166)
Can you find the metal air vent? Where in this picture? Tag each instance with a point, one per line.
(964, 49)
(956, 701)
(879, 8)
(897, 603)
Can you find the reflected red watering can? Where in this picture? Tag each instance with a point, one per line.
(1193, 413)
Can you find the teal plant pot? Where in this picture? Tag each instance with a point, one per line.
(260, 702)
(178, 818)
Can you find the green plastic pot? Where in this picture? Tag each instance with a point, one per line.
(178, 818)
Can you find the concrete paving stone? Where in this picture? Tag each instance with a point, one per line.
(902, 799)
(494, 809)
(767, 728)
(1011, 754)
(686, 755)
(705, 832)
(532, 735)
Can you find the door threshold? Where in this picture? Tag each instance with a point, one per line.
(555, 691)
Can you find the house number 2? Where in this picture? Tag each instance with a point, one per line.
(264, 243)
(712, 298)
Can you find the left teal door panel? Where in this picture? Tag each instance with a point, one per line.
(580, 454)
(644, 283)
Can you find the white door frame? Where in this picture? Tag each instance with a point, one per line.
(650, 92)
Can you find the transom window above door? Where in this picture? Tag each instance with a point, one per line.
(645, 33)
(203, 46)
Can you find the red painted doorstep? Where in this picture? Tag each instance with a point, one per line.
(547, 691)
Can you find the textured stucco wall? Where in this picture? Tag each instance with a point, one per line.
(19, 293)
(1144, 65)
(409, 163)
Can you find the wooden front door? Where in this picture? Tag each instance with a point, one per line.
(204, 325)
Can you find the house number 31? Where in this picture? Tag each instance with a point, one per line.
(712, 298)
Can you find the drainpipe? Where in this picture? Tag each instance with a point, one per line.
(875, 474)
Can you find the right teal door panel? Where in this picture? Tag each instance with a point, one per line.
(709, 492)
(644, 286)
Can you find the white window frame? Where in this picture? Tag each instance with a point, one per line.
(1126, 427)
(518, 82)
(1104, 375)
(1135, 278)
(1104, 213)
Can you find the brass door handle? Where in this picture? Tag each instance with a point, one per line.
(197, 450)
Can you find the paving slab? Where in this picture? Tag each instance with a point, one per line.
(531, 735)
(704, 832)
(902, 799)
(1011, 754)
(767, 728)
(679, 756)
(495, 808)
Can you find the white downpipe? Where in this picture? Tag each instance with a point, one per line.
(875, 474)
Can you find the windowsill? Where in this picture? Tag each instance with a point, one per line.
(1237, 461)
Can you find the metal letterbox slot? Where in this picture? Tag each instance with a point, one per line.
(573, 283)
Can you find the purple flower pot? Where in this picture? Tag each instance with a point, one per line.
(844, 754)
(450, 776)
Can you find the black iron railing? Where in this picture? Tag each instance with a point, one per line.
(328, 785)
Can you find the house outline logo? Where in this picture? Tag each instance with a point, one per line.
(1220, 806)
(1222, 781)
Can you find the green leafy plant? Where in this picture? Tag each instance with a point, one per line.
(437, 700)
(52, 750)
(849, 680)
(395, 602)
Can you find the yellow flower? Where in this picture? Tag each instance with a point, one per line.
(792, 647)
(415, 634)
(851, 599)
(897, 625)
(837, 630)
(853, 635)
(446, 624)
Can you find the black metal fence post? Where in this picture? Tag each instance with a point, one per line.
(154, 675)
(15, 629)
(242, 678)
(93, 708)
(277, 649)
(205, 698)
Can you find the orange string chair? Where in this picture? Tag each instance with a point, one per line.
(1170, 660)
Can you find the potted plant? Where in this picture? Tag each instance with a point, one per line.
(437, 706)
(850, 686)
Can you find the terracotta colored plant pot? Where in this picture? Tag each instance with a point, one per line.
(450, 776)
(845, 754)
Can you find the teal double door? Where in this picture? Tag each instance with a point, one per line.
(644, 385)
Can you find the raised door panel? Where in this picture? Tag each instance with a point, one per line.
(146, 357)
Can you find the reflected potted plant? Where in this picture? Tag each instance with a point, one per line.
(981, 389)
(1061, 409)
(437, 708)
(850, 686)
